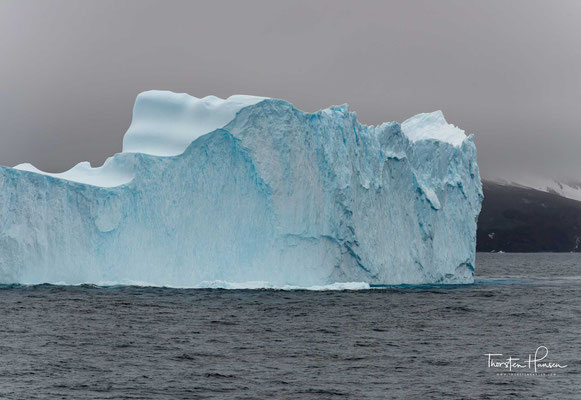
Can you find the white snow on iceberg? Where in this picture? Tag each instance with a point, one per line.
(165, 123)
(250, 189)
(427, 126)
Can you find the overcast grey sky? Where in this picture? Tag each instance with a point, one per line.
(508, 71)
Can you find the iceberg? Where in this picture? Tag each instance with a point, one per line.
(250, 189)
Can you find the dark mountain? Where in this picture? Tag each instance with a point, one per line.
(519, 219)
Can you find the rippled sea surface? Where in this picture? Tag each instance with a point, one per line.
(400, 342)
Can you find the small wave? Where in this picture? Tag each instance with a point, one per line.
(508, 280)
(266, 285)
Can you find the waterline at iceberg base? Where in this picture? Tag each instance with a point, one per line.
(250, 189)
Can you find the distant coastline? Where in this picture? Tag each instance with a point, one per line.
(525, 220)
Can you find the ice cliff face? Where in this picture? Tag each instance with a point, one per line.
(258, 192)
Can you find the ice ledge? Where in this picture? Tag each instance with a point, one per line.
(110, 174)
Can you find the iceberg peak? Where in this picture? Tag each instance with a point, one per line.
(426, 126)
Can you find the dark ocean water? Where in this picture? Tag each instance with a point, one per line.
(405, 342)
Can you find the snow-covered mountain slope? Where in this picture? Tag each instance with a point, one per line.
(250, 189)
(564, 188)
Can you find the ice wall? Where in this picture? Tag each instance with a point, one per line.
(260, 191)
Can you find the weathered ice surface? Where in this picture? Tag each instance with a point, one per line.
(250, 189)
